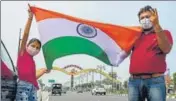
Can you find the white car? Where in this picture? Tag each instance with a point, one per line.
(100, 91)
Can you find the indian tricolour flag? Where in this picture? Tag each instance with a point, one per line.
(64, 35)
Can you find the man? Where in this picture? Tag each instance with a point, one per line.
(42, 95)
(148, 59)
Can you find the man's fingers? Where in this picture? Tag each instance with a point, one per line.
(47, 71)
(29, 9)
(30, 12)
(152, 11)
(156, 13)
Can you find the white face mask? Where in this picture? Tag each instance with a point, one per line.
(32, 51)
(146, 23)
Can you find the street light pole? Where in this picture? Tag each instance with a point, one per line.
(100, 74)
(19, 41)
(92, 79)
(112, 77)
(19, 45)
(79, 81)
(101, 67)
(87, 77)
(87, 80)
(82, 80)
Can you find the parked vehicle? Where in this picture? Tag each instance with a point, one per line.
(8, 76)
(98, 90)
(80, 91)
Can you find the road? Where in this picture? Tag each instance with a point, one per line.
(73, 96)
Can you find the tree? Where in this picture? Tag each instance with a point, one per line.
(125, 85)
(113, 74)
(107, 81)
(118, 86)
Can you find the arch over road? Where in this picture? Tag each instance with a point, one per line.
(75, 66)
(85, 71)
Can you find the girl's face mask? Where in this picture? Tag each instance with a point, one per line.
(32, 51)
(33, 48)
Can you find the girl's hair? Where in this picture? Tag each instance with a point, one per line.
(33, 40)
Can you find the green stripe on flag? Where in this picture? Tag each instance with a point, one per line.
(69, 45)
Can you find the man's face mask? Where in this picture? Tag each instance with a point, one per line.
(146, 23)
(32, 51)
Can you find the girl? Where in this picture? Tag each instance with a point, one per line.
(27, 85)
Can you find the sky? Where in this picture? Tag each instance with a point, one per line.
(14, 16)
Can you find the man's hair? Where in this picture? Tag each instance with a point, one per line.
(144, 9)
(33, 40)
